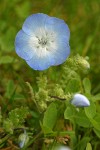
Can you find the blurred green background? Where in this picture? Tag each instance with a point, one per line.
(82, 17)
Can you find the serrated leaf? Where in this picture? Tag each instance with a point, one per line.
(6, 59)
(88, 147)
(91, 110)
(50, 116)
(87, 85)
(17, 116)
(8, 126)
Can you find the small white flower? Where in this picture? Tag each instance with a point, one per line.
(80, 100)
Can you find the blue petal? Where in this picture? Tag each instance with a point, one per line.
(51, 21)
(60, 55)
(61, 58)
(33, 22)
(40, 63)
(62, 30)
(58, 26)
(23, 48)
(80, 100)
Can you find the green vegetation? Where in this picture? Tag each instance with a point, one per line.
(34, 105)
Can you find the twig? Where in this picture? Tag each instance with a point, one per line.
(59, 98)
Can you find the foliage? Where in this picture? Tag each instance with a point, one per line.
(35, 109)
(15, 119)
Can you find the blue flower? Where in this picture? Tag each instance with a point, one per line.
(43, 41)
(80, 100)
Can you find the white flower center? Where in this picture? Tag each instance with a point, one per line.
(43, 41)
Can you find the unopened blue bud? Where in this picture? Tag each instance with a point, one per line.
(23, 139)
(80, 100)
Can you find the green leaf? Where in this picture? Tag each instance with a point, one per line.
(8, 126)
(95, 124)
(88, 147)
(97, 132)
(46, 130)
(10, 89)
(18, 115)
(73, 86)
(70, 113)
(87, 85)
(97, 117)
(79, 117)
(50, 116)
(91, 113)
(91, 110)
(82, 120)
(15, 119)
(18, 96)
(6, 59)
(96, 97)
(82, 144)
(7, 40)
(23, 10)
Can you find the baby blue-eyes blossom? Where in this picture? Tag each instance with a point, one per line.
(43, 41)
(80, 100)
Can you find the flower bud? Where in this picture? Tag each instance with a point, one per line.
(82, 63)
(80, 100)
(23, 139)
